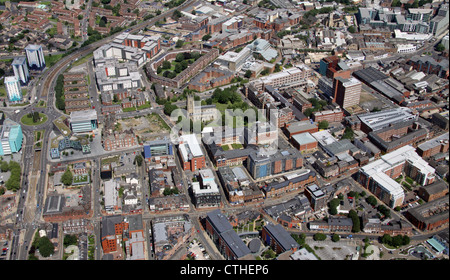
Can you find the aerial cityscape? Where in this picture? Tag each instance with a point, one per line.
(224, 130)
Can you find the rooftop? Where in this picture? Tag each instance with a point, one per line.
(83, 115)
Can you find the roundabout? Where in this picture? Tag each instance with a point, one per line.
(32, 120)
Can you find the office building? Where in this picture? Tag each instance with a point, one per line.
(382, 119)
(222, 234)
(233, 60)
(83, 121)
(112, 230)
(11, 137)
(278, 238)
(206, 192)
(20, 69)
(35, 57)
(347, 91)
(316, 197)
(378, 176)
(261, 165)
(439, 24)
(430, 216)
(288, 78)
(113, 75)
(12, 84)
(192, 157)
(158, 148)
(304, 142)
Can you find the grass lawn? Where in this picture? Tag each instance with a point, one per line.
(110, 160)
(236, 146)
(145, 106)
(38, 135)
(80, 178)
(59, 123)
(29, 121)
(83, 60)
(161, 121)
(130, 109)
(41, 104)
(50, 60)
(2, 91)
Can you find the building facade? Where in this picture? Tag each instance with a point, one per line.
(35, 57)
(20, 69)
(11, 137)
(83, 121)
(12, 84)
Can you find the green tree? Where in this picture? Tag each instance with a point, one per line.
(386, 239)
(70, 239)
(179, 44)
(169, 108)
(333, 204)
(440, 47)
(319, 237)
(335, 238)
(46, 247)
(323, 124)
(176, 15)
(206, 37)
(166, 64)
(348, 133)
(4, 166)
(138, 160)
(371, 200)
(179, 57)
(406, 240)
(397, 241)
(67, 178)
(355, 219)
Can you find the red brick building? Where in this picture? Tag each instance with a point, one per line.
(328, 115)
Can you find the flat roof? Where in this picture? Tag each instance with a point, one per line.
(83, 115)
(191, 142)
(434, 142)
(382, 119)
(304, 138)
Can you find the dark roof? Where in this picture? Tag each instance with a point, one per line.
(219, 221)
(223, 227)
(282, 237)
(254, 245)
(108, 225)
(54, 204)
(369, 75)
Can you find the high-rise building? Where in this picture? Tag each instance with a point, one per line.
(347, 91)
(11, 137)
(35, 56)
(20, 69)
(13, 88)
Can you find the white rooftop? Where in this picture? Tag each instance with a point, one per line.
(190, 146)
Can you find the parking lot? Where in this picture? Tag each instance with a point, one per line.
(197, 251)
(344, 249)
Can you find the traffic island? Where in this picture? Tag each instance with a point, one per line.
(34, 119)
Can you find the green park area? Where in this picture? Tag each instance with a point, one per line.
(170, 69)
(34, 119)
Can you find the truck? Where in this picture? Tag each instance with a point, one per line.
(16, 111)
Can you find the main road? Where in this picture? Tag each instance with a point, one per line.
(45, 91)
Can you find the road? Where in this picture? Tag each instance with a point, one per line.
(45, 91)
(34, 183)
